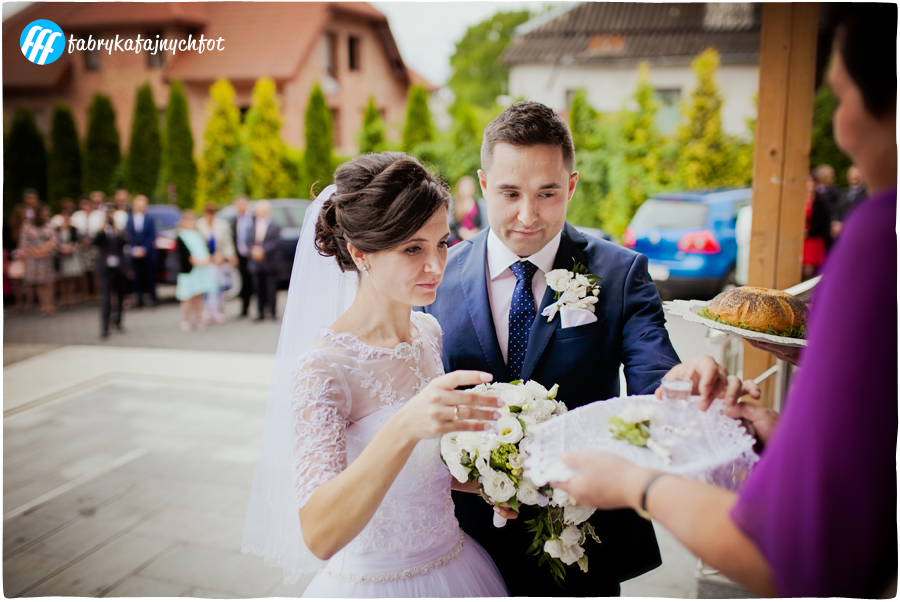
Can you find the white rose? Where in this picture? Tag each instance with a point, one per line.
(555, 547)
(467, 441)
(568, 554)
(497, 485)
(540, 409)
(561, 498)
(570, 296)
(481, 463)
(572, 554)
(450, 453)
(517, 460)
(570, 536)
(577, 514)
(536, 389)
(527, 493)
(525, 442)
(582, 280)
(509, 429)
(557, 279)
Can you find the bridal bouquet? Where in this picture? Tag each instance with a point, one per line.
(496, 459)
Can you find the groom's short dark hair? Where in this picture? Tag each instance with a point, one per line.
(528, 123)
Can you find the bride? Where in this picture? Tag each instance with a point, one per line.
(350, 482)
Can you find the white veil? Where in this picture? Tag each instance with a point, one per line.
(319, 292)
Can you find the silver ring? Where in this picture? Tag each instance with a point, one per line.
(456, 413)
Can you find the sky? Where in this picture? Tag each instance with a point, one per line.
(426, 32)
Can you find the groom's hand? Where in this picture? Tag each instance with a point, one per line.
(711, 381)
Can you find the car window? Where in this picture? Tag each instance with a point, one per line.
(675, 215)
(280, 217)
(165, 219)
(297, 214)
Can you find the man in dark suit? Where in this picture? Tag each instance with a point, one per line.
(849, 199)
(112, 270)
(264, 261)
(489, 307)
(241, 228)
(142, 234)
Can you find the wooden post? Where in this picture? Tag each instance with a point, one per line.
(787, 71)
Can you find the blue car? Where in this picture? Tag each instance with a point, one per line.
(689, 239)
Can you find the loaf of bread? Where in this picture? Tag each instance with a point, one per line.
(761, 309)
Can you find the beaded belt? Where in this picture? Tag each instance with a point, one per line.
(412, 572)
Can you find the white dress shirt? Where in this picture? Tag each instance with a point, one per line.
(262, 225)
(502, 281)
(138, 222)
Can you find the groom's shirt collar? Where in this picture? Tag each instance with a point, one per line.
(499, 257)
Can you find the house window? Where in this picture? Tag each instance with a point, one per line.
(668, 113)
(331, 54)
(353, 53)
(92, 59)
(336, 127)
(158, 60)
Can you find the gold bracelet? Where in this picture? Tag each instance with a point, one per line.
(642, 511)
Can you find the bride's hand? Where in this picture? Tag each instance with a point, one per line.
(439, 408)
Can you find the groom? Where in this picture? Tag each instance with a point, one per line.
(489, 307)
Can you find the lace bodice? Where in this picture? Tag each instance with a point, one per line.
(344, 390)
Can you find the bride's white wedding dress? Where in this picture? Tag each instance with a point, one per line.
(344, 391)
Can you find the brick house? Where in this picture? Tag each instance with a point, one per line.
(347, 47)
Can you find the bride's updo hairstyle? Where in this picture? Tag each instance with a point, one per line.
(382, 199)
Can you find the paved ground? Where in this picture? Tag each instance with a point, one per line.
(127, 463)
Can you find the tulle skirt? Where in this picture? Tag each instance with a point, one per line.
(459, 568)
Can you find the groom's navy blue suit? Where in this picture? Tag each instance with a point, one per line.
(584, 361)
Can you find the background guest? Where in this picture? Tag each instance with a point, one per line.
(849, 199)
(89, 220)
(217, 233)
(818, 224)
(241, 228)
(13, 262)
(465, 217)
(122, 204)
(142, 235)
(828, 194)
(32, 201)
(111, 268)
(264, 260)
(195, 278)
(37, 244)
(817, 516)
(69, 253)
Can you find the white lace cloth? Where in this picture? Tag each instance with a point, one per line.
(708, 446)
(688, 311)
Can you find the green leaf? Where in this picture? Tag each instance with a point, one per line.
(516, 382)
(515, 409)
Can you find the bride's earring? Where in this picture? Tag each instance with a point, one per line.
(364, 269)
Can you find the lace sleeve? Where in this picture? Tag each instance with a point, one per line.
(321, 406)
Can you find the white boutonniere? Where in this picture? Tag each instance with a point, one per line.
(575, 289)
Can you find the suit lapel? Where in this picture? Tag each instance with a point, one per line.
(571, 246)
(472, 266)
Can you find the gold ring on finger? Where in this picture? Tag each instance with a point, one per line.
(456, 413)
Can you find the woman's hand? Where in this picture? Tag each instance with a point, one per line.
(762, 420)
(604, 480)
(783, 352)
(199, 262)
(711, 381)
(439, 408)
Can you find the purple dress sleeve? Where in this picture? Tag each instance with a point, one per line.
(821, 504)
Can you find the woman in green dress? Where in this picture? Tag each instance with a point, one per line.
(195, 278)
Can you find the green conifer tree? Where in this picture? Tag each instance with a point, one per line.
(318, 156)
(64, 166)
(144, 149)
(418, 128)
(25, 159)
(221, 142)
(372, 137)
(103, 152)
(706, 156)
(266, 176)
(179, 166)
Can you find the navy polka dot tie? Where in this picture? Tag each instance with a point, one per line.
(521, 315)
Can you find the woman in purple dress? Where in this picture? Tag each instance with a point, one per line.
(817, 516)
